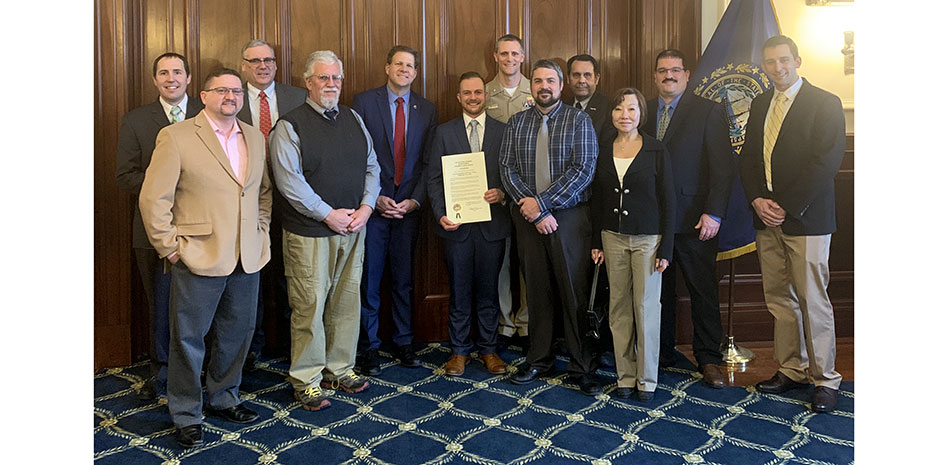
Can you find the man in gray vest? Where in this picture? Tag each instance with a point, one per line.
(323, 144)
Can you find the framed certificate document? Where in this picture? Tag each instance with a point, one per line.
(464, 186)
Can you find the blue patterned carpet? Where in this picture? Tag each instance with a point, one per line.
(419, 416)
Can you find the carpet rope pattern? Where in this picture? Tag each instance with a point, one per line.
(420, 416)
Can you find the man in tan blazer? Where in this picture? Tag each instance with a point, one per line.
(207, 174)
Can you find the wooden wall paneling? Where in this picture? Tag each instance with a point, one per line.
(551, 33)
(312, 26)
(224, 27)
(112, 220)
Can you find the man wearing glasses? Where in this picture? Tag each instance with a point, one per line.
(401, 123)
(265, 101)
(207, 175)
(327, 182)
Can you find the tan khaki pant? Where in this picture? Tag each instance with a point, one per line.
(795, 273)
(323, 275)
(635, 309)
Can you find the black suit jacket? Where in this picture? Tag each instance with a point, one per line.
(599, 110)
(372, 105)
(136, 140)
(701, 155)
(806, 158)
(451, 138)
(288, 98)
(645, 204)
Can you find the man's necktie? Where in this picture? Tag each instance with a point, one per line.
(264, 116)
(176, 114)
(399, 142)
(474, 136)
(331, 114)
(663, 123)
(543, 176)
(578, 105)
(771, 132)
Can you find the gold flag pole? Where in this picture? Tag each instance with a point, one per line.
(732, 354)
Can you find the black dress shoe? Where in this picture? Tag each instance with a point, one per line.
(824, 399)
(526, 373)
(623, 392)
(250, 361)
(148, 391)
(237, 414)
(189, 436)
(644, 396)
(368, 363)
(587, 383)
(406, 355)
(779, 383)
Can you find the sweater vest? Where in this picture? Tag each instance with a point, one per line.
(333, 159)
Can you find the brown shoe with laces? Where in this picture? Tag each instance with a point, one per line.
(494, 364)
(455, 366)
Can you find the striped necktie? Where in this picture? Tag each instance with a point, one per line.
(176, 114)
(771, 132)
(663, 123)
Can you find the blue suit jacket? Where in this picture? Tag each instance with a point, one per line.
(451, 138)
(372, 105)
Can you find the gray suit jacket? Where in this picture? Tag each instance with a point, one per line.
(288, 98)
(136, 140)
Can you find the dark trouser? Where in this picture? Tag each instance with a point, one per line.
(473, 271)
(697, 261)
(393, 242)
(224, 305)
(557, 263)
(157, 289)
(273, 282)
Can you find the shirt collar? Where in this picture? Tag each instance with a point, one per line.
(672, 104)
(235, 130)
(316, 107)
(467, 119)
(791, 91)
(584, 103)
(552, 113)
(255, 93)
(523, 86)
(392, 96)
(167, 107)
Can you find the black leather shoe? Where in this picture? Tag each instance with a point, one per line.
(526, 373)
(825, 399)
(189, 436)
(644, 396)
(587, 384)
(778, 384)
(237, 414)
(368, 363)
(406, 355)
(148, 391)
(250, 361)
(623, 392)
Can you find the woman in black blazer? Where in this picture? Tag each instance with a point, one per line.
(633, 215)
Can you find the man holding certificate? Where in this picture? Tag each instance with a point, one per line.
(468, 200)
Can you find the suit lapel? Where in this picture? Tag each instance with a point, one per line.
(245, 113)
(204, 131)
(678, 115)
(159, 116)
(381, 100)
(800, 103)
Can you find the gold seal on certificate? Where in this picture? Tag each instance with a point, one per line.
(464, 186)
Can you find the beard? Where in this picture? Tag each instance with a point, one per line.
(329, 100)
(546, 101)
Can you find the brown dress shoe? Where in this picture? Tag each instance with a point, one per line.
(494, 364)
(713, 376)
(454, 366)
(778, 384)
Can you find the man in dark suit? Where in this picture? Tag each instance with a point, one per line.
(583, 77)
(400, 122)
(794, 147)
(136, 141)
(265, 102)
(474, 251)
(695, 132)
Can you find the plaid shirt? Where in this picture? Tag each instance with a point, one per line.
(572, 154)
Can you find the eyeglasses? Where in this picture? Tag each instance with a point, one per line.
(223, 91)
(325, 78)
(258, 61)
(675, 70)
